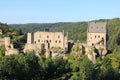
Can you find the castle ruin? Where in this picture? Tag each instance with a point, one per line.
(97, 37)
(9, 49)
(56, 43)
(97, 34)
(37, 41)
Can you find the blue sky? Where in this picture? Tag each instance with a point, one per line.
(50, 11)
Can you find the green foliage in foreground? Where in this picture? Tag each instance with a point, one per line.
(30, 67)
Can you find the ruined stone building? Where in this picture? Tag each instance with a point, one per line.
(97, 36)
(9, 49)
(40, 40)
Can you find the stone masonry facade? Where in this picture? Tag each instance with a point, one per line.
(57, 42)
(37, 41)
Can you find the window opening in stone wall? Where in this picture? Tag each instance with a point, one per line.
(47, 41)
(38, 40)
(50, 40)
(98, 36)
(95, 36)
(102, 41)
(58, 36)
(92, 44)
(47, 36)
(56, 41)
(48, 45)
(59, 41)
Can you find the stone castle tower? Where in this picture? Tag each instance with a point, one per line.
(30, 38)
(97, 37)
(97, 34)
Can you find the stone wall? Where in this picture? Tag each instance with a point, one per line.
(11, 51)
(8, 46)
(36, 40)
(97, 34)
(96, 39)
